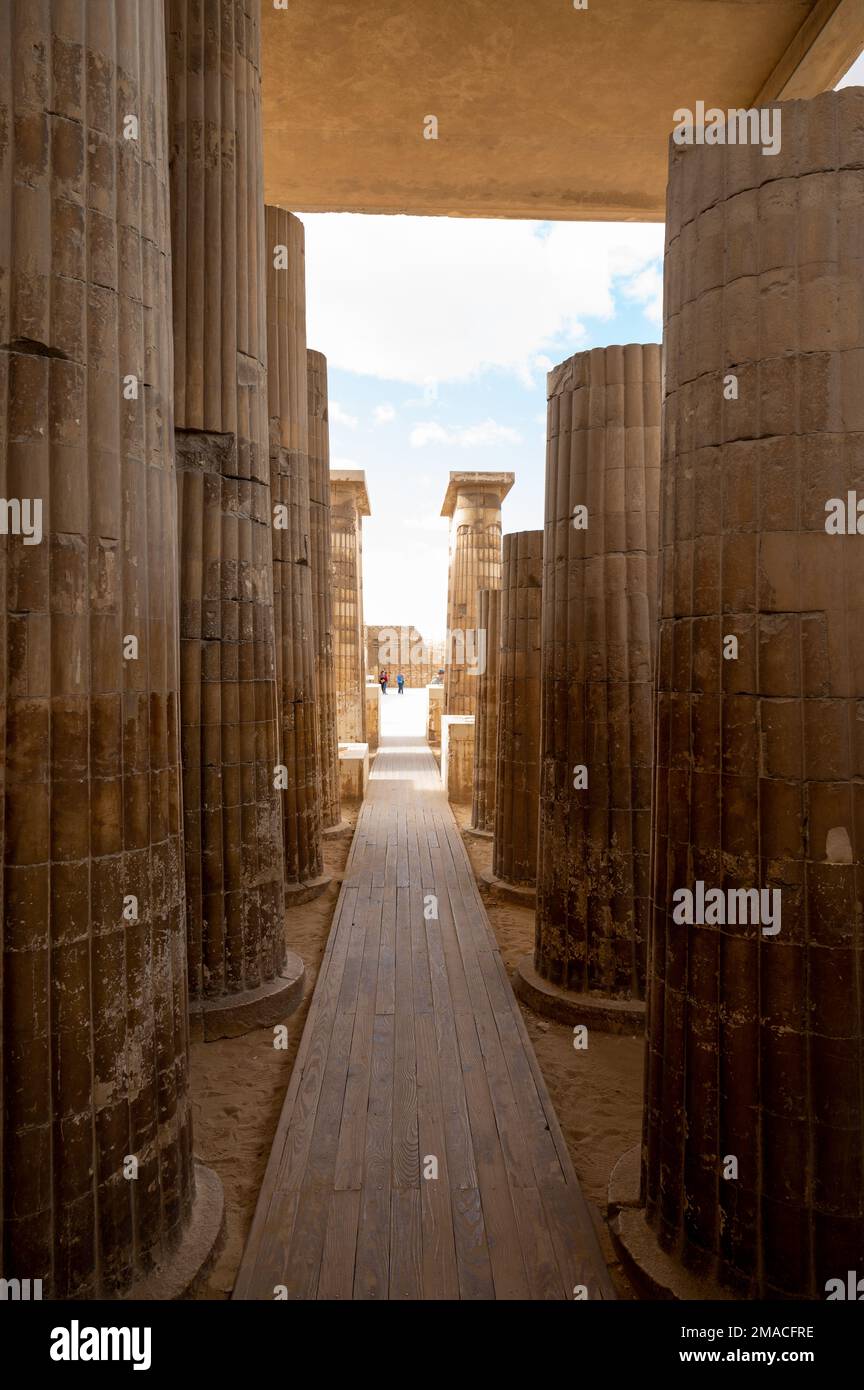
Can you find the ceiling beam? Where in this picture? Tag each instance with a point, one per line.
(825, 47)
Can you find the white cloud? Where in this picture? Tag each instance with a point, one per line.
(467, 436)
(344, 463)
(342, 417)
(437, 299)
(432, 521)
(646, 289)
(384, 414)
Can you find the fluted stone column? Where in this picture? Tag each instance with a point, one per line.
(755, 1055)
(473, 504)
(599, 639)
(100, 1192)
(322, 593)
(237, 961)
(292, 552)
(486, 729)
(349, 503)
(517, 762)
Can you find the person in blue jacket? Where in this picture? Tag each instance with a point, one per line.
(400, 683)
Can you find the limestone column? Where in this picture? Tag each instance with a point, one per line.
(230, 748)
(486, 730)
(349, 503)
(755, 1049)
(473, 504)
(292, 552)
(322, 594)
(599, 639)
(99, 1195)
(517, 763)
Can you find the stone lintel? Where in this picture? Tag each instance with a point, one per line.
(352, 479)
(497, 484)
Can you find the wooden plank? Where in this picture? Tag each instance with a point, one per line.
(340, 1243)
(405, 1243)
(352, 1135)
(427, 877)
(406, 1162)
(307, 1065)
(562, 1202)
(371, 1274)
(420, 974)
(545, 1279)
(385, 1002)
(402, 870)
(415, 1048)
(439, 1274)
(457, 1129)
(265, 1277)
(558, 1211)
(472, 1255)
(310, 1223)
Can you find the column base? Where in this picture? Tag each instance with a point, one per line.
(187, 1268)
(481, 834)
(231, 1015)
(333, 832)
(625, 1016)
(653, 1272)
(298, 893)
(525, 894)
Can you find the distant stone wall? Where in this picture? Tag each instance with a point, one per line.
(395, 647)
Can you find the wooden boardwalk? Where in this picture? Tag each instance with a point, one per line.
(415, 1050)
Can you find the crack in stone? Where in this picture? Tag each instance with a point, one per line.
(29, 347)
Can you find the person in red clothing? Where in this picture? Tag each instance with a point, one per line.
(382, 680)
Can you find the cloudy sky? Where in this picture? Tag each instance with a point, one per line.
(438, 334)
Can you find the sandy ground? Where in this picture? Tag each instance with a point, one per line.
(239, 1084)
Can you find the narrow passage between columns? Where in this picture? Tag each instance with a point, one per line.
(417, 1154)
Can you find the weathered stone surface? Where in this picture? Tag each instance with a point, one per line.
(231, 809)
(349, 503)
(336, 143)
(486, 733)
(599, 638)
(754, 1039)
(517, 762)
(353, 772)
(436, 705)
(288, 398)
(94, 1021)
(322, 593)
(373, 701)
(395, 647)
(473, 504)
(457, 756)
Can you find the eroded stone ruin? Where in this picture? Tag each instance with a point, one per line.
(653, 705)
